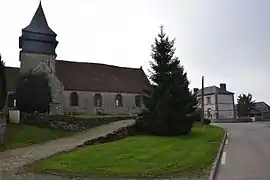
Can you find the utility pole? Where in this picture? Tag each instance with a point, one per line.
(202, 100)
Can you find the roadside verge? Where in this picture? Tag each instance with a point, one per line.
(216, 163)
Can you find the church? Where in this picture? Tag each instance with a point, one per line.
(77, 87)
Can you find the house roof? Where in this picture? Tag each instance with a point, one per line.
(261, 107)
(212, 90)
(81, 76)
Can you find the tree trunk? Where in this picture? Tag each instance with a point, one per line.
(3, 122)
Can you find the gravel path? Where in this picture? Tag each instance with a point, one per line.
(11, 160)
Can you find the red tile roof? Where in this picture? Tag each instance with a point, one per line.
(80, 76)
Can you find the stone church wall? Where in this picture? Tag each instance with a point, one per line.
(86, 103)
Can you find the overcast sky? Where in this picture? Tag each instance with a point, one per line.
(227, 41)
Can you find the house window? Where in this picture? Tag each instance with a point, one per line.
(138, 101)
(118, 100)
(208, 100)
(209, 114)
(74, 99)
(98, 100)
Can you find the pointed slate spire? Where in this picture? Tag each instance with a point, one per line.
(38, 37)
(39, 23)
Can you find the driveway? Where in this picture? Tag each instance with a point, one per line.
(246, 155)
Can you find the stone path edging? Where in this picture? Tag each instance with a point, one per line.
(215, 164)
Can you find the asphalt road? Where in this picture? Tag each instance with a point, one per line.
(246, 155)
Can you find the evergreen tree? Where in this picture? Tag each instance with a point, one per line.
(245, 104)
(33, 93)
(3, 90)
(169, 102)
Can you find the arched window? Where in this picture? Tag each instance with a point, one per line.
(118, 100)
(74, 99)
(138, 102)
(98, 100)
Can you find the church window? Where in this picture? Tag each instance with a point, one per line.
(138, 101)
(98, 100)
(74, 99)
(118, 100)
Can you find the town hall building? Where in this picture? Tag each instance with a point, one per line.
(77, 87)
(218, 103)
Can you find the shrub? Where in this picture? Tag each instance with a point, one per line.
(206, 121)
(33, 93)
(196, 116)
(139, 126)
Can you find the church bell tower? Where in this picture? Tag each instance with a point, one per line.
(37, 43)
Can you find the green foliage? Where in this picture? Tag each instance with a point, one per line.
(33, 93)
(169, 102)
(139, 126)
(197, 115)
(245, 104)
(206, 121)
(3, 85)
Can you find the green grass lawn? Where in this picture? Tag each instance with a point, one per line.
(20, 135)
(140, 156)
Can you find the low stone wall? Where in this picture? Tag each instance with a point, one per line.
(114, 136)
(66, 122)
(261, 120)
(243, 119)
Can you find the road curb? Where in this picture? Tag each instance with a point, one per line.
(215, 164)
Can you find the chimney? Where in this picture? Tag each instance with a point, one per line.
(195, 90)
(223, 86)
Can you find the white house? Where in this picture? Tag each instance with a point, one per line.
(218, 102)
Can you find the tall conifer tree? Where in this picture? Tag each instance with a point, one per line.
(169, 103)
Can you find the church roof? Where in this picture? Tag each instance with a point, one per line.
(38, 37)
(39, 23)
(80, 76)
